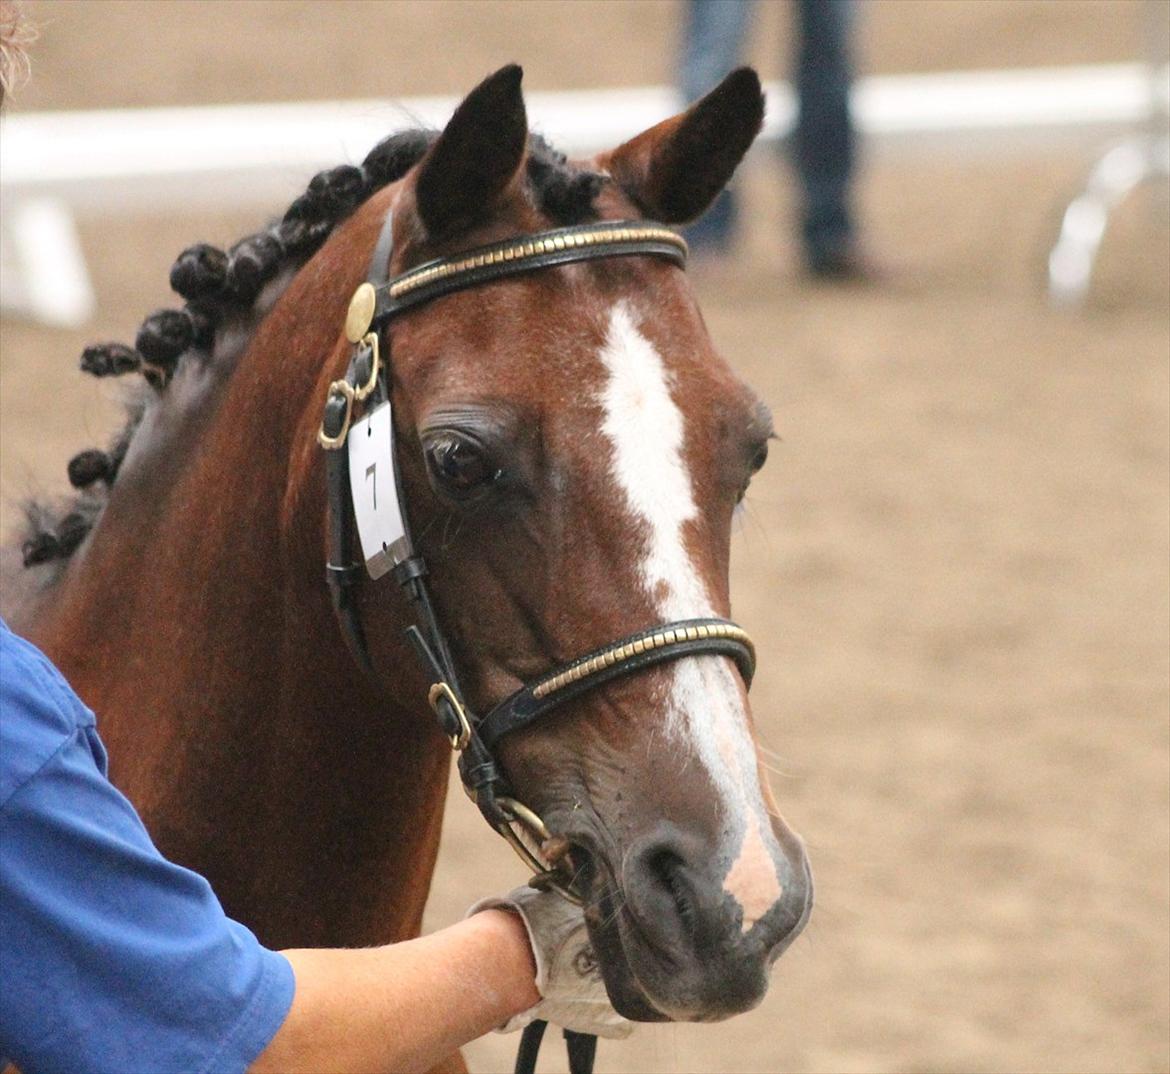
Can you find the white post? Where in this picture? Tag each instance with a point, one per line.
(44, 267)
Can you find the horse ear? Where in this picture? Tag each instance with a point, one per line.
(674, 170)
(476, 157)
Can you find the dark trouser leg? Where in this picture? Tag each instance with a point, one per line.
(712, 45)
(823, 142)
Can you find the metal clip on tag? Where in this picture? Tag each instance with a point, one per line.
(340, 391)
(365, 390)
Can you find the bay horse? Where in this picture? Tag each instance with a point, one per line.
(572, 450)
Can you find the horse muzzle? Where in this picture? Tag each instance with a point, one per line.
(673, 944)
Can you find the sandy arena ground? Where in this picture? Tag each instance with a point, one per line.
(956, 563)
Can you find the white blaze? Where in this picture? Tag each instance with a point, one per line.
(646, 431)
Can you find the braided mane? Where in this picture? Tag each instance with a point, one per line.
(219, 285)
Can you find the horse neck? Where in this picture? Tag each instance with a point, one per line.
(198, 627)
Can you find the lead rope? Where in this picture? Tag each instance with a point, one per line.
(582, 1049)
(529, 1049)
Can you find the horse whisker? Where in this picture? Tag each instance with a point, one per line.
(621, 905)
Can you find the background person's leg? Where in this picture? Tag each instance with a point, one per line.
(823, 145)
(712, 45)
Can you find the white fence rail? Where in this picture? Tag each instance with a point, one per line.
(56, 164)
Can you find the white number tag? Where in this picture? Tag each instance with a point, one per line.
(374, 492)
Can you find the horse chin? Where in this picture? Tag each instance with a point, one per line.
(625, 993)
(649, 983)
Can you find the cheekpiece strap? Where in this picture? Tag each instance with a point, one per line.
(686, 637)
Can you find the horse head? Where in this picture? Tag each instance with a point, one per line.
(573, 450)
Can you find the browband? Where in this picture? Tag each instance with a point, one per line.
(373, 305)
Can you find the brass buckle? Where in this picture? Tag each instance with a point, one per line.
(441, 689)
(332, 443)
(352, 394)
(369, 340)
(545, 877)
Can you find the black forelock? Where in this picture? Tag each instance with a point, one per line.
(564, 193)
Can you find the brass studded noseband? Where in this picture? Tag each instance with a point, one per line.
(374, 304)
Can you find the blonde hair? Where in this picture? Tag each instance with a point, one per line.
(16, 34)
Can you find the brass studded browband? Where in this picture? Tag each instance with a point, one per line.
(371, 306)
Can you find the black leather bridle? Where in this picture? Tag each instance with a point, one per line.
(373, 305)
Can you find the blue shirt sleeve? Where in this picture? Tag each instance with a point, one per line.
(111, 957)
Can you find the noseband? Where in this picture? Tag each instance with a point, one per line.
(375, 303)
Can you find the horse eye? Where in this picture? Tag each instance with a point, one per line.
(756, 465)
(459, 465)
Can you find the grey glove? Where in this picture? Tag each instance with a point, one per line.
(567, 976)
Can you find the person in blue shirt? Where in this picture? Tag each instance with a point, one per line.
(114, 959)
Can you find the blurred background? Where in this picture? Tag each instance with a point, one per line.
(957, 563)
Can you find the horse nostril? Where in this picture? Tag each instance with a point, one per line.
(666, 868)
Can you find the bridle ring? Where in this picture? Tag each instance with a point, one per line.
(441, 690)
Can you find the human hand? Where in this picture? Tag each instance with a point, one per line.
(567, 975)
